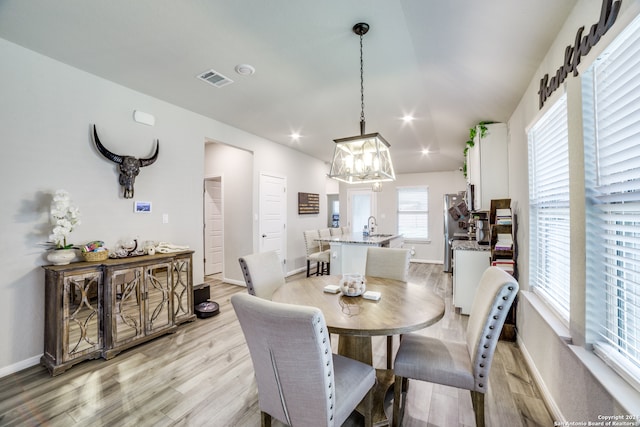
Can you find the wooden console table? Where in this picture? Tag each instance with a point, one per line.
(98, 309)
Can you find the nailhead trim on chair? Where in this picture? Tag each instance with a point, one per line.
(247, 277)
(329, 365)
(483, 355)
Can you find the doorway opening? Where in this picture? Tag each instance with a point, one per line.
(333, 211)
(362, 205)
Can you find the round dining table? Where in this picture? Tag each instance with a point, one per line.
(403, 307)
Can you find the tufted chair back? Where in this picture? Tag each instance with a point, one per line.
(390, 263)
(463, 364)
(315, 253)
(324, 233)
(494, 296)
(300, 382)
(310, 243)
(262, 273)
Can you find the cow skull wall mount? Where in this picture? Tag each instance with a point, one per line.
(129, 166)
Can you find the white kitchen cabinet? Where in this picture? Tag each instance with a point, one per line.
(468, 266)
(487, 166)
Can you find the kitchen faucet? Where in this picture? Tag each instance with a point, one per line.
(372, 224)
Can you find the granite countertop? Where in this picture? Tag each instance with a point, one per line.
(469, 245)
(359, 239)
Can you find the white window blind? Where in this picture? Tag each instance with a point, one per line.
(413, 212)
(549, 207)
(611, 107)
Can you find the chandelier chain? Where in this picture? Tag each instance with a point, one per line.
(361, 83)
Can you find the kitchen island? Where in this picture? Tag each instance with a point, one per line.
(349, 251)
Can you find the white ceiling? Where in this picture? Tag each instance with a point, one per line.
(449, 63)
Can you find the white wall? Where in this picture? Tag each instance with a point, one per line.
(241, 199)
(234, 166)
(578, 388)
(303, 175)
(439, 183)
(46, 110)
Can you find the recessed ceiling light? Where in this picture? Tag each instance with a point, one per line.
(245, 69)
(408, 118)
(425, 151)
(295, 136)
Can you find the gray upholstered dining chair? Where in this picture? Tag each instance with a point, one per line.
(336, 231)
(300, 381)
(315, 253)
(390, 263)
(262, 273)
(462, 364)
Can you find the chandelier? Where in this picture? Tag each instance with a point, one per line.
(364, 158)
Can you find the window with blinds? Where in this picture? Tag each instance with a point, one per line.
(611, 111)
(549, 207)
(413, 212)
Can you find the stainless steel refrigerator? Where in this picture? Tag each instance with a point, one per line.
(456, 219)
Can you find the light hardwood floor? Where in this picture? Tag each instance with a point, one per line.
(202, 376)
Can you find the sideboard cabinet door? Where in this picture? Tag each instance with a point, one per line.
(183, 289)
(73, 321)
(139, 305)
(123, 298)
(157, 297)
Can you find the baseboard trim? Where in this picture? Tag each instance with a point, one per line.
(548, 400)
(19, 366)
(426, 261)
(296, 271)
(234, 282)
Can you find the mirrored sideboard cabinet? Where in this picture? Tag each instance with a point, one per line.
(98, 309)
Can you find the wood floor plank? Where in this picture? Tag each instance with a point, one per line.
(202, 375)
(444, 409)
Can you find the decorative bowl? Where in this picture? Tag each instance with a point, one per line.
(352, 285)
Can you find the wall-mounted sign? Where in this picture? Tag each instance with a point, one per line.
(308, 203)
(573, 54)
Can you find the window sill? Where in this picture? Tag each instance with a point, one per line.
(618, 388)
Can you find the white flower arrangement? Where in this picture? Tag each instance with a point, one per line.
(64, 218)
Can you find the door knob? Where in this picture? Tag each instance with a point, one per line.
(264, 235)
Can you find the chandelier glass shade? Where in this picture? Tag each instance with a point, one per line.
(364, 158)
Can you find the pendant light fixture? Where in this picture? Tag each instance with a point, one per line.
(364, 158)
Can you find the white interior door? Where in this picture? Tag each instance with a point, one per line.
(362, 204)
(273, 221)
(213, 226)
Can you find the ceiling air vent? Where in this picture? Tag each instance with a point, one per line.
(215, 78)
